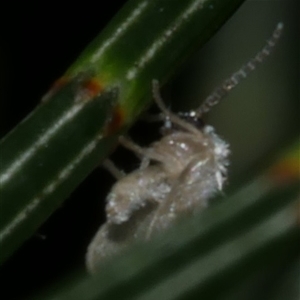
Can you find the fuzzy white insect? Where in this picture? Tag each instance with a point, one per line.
(178, 174)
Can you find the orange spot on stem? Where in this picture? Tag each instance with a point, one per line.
(116, 122)
(59, 83)
(285, 171)
(93, 87)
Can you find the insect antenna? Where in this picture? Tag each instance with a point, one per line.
(228, 84)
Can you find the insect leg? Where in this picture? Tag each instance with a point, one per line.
(138, 150)
(113, 169)
(130, 145)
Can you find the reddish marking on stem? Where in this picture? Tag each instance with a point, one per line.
(59, 83)
(86, 89)
(117, 120)
(285, 172)
(92, 87)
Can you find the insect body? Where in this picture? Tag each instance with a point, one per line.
(178, 174)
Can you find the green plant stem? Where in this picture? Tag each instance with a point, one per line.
(48, 154)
